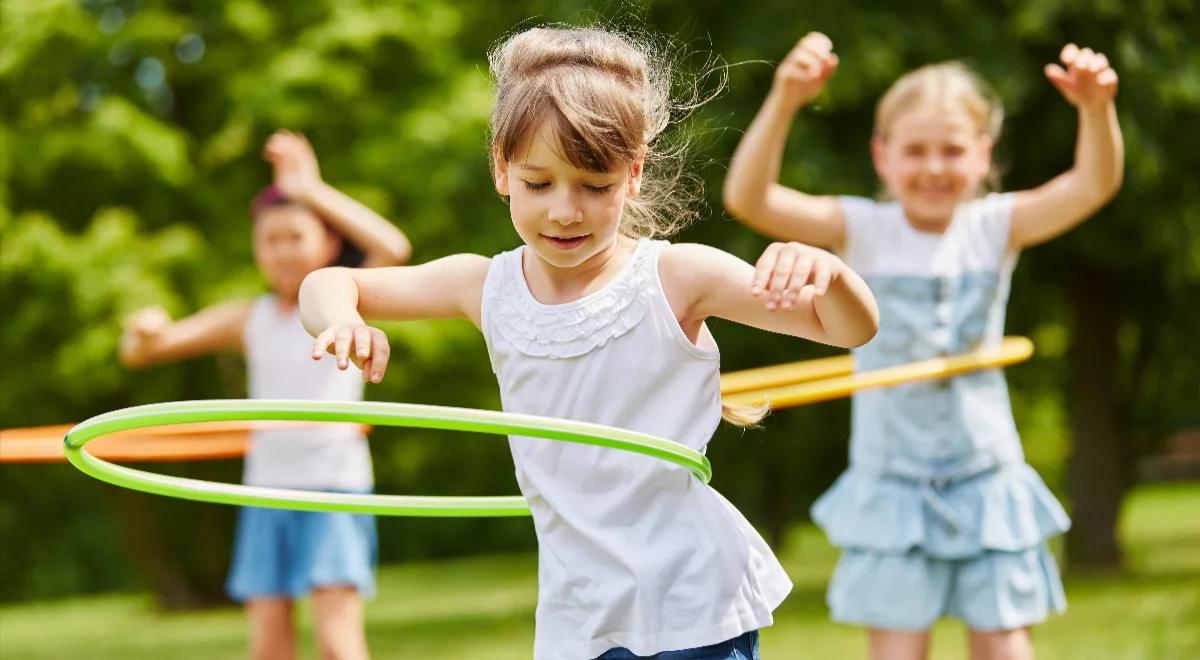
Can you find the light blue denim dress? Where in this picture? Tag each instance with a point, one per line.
(938, 513)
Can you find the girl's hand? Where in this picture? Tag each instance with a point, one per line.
(147, 322)
(1087, 81)
(802, 74)
(295, 163)
(792, 274)
(141, 329)
(365, 346)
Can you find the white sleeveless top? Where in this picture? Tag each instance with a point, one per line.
(632, 551)
(278, 366)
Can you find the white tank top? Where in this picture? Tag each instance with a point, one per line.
(632, 551)
(278, 366)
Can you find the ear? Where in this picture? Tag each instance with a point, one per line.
(636, 168)
(879, 155)
(500, 172)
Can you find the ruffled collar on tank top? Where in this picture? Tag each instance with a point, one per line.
(574, 328)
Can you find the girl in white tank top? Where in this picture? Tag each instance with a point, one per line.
(588, 322)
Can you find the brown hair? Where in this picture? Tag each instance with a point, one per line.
(948, 84)
(607, 97)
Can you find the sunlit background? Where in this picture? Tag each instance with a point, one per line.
(130, 148)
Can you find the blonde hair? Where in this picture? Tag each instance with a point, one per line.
(606, 96)
(947, 85)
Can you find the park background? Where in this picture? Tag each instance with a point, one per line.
(129, 149)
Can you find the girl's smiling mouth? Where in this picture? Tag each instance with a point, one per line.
(566, 242)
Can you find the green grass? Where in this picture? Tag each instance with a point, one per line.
(482, 609)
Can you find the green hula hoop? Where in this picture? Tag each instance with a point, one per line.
(374, 413)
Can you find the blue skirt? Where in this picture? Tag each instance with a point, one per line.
(973, 549)
(996, 590)
(286, 554)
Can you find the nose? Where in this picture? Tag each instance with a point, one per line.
(936, 164)
(565, 210)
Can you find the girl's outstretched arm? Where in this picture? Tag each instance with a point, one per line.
(753, 193)
(298, 177)
(794, 289)
(151, 336)
(1090, 84)
(335, 301)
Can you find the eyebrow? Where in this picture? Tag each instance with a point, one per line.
(526, 165)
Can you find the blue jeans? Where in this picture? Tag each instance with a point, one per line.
(742, 647)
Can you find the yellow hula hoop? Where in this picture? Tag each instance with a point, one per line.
(775, 393)
(762, 378)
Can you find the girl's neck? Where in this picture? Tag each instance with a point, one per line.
(928, 225)
(285, 304)
(934, 224)
(554, 285)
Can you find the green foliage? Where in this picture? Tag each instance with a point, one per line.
(129, 148)
(70, 292)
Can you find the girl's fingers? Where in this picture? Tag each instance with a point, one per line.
(818, 42)
(821, 277)
(363, 345)
(1099, 63)
(810, 47)
(321, 344)
(809, 62)
(379, 358)
(801, 45)
(1107, 77)
(341, 348)
(148, 322)
(831, 64)
(1068, 54)
(783, 273)
(1084, 59)
(1056, 74)
(799, 278)
(362, 342)
(277, 144)
(763, 268)
(802, 273)
(1059, 78)
(805, 298)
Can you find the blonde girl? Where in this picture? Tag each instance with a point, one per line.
(938, 513)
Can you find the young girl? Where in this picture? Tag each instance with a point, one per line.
(938, 513)
(299, 226)
(591, 320)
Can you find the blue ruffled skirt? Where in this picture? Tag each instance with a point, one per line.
(974, 549)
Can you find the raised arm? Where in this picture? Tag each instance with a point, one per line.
(151, 337)
(795, 289)
(753, 193)
(1090, 84)
(298, 177)
(334, 303)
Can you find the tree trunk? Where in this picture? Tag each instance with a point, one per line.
(1097, 474)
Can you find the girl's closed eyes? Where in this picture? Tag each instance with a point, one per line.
(535, 186)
